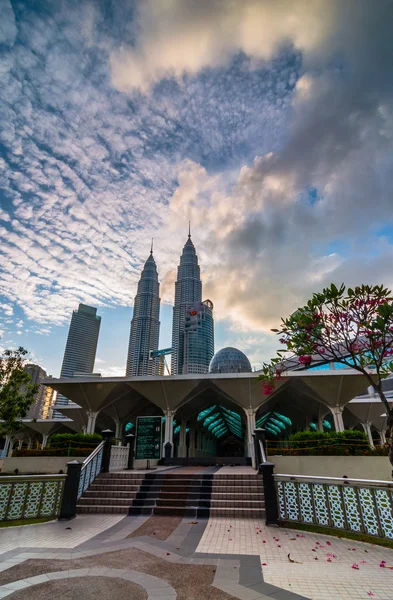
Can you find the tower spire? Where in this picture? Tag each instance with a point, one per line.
(189, 230)
(151, 249)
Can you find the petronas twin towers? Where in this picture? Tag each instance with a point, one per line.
(192, 329)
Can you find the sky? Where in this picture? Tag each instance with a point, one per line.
(268, 125)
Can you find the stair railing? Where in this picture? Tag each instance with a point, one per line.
(91, 467)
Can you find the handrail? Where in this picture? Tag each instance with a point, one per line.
(93, 454)
(91, 467)
(343, 479)
(262, 448)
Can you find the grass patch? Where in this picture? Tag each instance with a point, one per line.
(350, 535)
(17, 522)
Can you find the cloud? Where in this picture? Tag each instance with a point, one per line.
(185, 36)
(268, 125)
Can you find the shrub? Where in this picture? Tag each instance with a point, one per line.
(53, 452)
(64, 440)
(320, 443)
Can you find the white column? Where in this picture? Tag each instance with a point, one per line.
(251, 425)
(29, 443)
(337, 412)
(7, 445)
(168, 435)
(192, 442)
(367, 431)
(320, 424)
(383, 437)
(119, 428)
(10, 448)
(91, 421)
(20, 443)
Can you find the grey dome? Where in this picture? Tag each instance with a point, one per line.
(230, 360)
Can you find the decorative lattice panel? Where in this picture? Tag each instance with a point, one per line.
(5, 493)
(281, 501)
(369, 515)
(344, 506)
(383, 499)
(119, 458)
(336, 506)
(305, 501)
(17, 501)
(291, 502)
(320, 504)
(49, 499)
(354, 520)
(33, 500)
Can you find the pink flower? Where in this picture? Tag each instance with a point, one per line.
(355, 566)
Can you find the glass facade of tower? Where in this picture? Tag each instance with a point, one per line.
(188, 293)
(145, 324)
(81, 346)
(198, 337)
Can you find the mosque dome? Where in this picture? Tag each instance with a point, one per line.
(230, 360)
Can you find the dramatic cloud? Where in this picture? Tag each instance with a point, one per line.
(267, 124)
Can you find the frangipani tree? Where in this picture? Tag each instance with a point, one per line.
(16, 390)
(353, 327)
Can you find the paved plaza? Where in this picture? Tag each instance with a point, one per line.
(161, 558)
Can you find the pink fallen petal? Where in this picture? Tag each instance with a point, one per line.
(382, 564)
(329, 560)
(264, 564)
(355, 566)
(278, 545)
(329, 543)
(316, 558)
(370, 594)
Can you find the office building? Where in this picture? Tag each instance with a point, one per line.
(81, 346)
(41, 408)
(198, 338)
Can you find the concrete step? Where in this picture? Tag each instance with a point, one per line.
(100, 508)
(92, 493)
(105, 501)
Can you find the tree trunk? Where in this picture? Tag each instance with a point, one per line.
(389, 422)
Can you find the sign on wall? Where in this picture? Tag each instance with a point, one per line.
(148, 438)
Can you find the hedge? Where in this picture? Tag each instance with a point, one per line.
(49, 451)
(332, 443)
(63, 440)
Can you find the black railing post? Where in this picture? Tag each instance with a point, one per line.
(266, 469)
(168, 450)
(130, 439)
(256, 451)
(70, 495)
(107, 435)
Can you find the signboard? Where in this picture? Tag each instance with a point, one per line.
(148, 438)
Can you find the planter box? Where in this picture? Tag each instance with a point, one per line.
(359, 467)
(37, 464)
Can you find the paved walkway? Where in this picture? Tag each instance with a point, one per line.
(219, 559)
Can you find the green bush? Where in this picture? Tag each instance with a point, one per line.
(350, 442)
(64, 440)
(54, 452)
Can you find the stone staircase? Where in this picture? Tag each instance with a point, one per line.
(171, 494)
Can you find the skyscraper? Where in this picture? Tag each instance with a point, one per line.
(43, 400)
(188, 294)
(81, 346)
(198, 337)
(145, 324)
